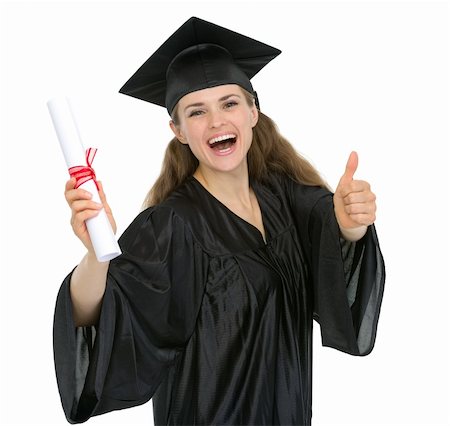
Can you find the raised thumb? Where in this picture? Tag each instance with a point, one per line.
(350, 168)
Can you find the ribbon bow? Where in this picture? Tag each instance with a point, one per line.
(84, 173)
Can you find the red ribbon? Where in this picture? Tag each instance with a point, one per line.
(84, 173)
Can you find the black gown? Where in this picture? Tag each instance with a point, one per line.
(212, 321)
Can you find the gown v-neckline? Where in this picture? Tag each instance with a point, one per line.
(262, 235)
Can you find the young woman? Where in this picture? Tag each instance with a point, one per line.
(209, 309)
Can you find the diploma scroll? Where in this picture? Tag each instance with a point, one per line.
(99, 228)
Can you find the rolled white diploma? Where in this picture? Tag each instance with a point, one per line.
(99, 228)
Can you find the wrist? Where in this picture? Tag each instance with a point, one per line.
(353, 234)
(91, 261)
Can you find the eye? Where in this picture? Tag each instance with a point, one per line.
(195, 112)
(230, 104)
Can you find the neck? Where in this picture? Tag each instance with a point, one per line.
(229, 187)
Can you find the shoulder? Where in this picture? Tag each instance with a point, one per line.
(185, 211)
(186, 204)
(298, 195)
(179, 205)
(311, 206)
(157, 231)
(157, 222)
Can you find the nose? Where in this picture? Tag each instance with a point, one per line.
(216, 118)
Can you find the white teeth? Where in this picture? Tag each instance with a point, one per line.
(221, 138)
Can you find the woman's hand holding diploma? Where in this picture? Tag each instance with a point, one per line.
(83, 208)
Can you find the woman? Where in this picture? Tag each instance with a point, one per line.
(209, 309)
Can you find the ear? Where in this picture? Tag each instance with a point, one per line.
(255, 115)
(177, 132)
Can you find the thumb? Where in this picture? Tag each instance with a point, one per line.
(101, 193)
(350, 168)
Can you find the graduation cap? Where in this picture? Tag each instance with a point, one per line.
(198, 55)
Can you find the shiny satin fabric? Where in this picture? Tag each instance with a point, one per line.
(214, 323)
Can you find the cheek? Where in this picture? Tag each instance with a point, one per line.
(249, 125)
(188, 132)
(194, 138)
(252, 119)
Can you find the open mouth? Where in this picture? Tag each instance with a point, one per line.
(222, 143)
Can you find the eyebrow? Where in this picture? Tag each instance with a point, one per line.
(223, 98)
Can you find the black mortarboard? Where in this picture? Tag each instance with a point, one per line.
(198, 55)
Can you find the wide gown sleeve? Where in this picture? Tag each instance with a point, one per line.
(152, 298)
(347, 277)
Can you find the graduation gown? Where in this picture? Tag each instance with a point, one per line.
(214, 322)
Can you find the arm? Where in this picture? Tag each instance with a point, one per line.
(87, 287)
(88, 280)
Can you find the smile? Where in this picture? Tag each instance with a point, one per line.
(223, 143)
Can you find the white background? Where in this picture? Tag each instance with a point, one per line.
(368, 76)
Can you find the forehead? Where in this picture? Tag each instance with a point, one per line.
(210, 94)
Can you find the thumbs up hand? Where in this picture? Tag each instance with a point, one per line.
(354, 202)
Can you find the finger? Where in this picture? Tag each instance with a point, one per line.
(77, 194)
(353, 186)
(80, 205)
(70, 184)
(359, 197)
(350, 168)
(363, 218)
(78, 220)
(360, 208)
(101, 192)
(103, 198)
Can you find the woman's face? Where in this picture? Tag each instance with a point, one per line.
(217, 125)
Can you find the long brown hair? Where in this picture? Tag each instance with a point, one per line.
(269, 153)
